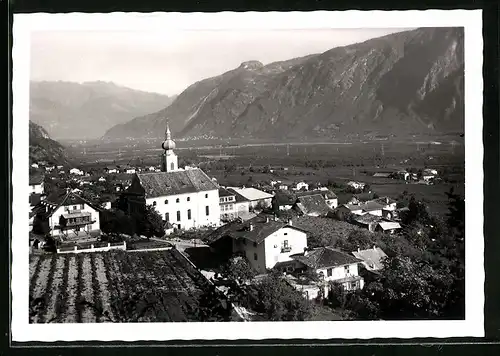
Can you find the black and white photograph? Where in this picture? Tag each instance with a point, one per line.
(239, 175)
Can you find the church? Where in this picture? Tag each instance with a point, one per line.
(185, 198)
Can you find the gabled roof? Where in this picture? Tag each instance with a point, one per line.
(241, 230)
(324, 192)
(57, 199)
(372, 257)
(389, 225)
(252, 194)
(313, 204)
(325, 257)
(383, 201)
(157, 184)
(367, 219)
(223, 192)
(239, 198)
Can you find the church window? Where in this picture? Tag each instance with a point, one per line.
(177, 200)
(167, 217)
(166, 201)
(172, 166)
(178, 215)
(255, 256)
(206, 195)
(154, 203)
(207, 210)
(189, 214)
(188, 198)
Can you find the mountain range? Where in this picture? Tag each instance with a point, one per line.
(43, 148)
(407, 83)
(69, 110)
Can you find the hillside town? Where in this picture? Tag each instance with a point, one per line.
(269, 250)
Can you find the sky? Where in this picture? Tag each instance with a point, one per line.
(167, 63)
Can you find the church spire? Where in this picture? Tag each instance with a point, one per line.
(169, 158)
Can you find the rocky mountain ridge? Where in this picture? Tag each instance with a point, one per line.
(401, 84)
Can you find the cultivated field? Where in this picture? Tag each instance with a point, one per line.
(114, 286)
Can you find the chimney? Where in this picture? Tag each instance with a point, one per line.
(250, 227)
(374, 248)
(290, 222)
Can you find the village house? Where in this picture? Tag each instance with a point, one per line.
(76, 171)
(34, 165)
(102, 179)
(329, 196)
(283, 201)
(129, 170)
(382, 175)
(60, 166)
(36, 184)
(372, 258)
(49, 168)
(67, 215)
(404, 175)
(372, 208)
(256, 197)
(430, 172)
(227, 201)
(265, 241)
(312, 205)
(111, 169)
(388, 226)
(300, 186)
(367, 221)
(332, 265)
(241, 205)
(186, 198)
(356, 185)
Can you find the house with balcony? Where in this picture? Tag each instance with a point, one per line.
(332, 265)
(66, 215)
(264, 240)
(227, 204)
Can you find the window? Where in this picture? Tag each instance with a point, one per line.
(154, 203)
(206, 195)
(207, 210)
(177, 200)
(354, 285)
(74, 207)
(285, 243)
(346, 269)
(172, 166)
(188, 198)
(329, 272)
(255, 256)
(189, 214)
(82, 206)
(178, 215)
(255, 244)
(167, 217)
(286, 233)
(166, 201)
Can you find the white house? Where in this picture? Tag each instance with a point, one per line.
(333, 266)
(263, 240)
(227, 204)
(301, 186)
(429, 171)
(388, 226)
(111, 170)
(36, 185)
(255, 196)
(76, 171)
(49, 168)
(151, 168)
(185, 198)
(102, 179)
(356, 185)
(34, 165)
(68, 215)
(372, 258)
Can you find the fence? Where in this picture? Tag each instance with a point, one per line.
(110, 246)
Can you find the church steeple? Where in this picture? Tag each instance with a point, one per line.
(169, 158)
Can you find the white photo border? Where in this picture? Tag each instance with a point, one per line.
(472, 326)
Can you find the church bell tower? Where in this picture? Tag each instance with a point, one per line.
(169, 158)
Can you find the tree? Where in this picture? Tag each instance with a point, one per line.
(212, 307)
(417, 212)
(238, 269)
(280, 301)
(150, 223)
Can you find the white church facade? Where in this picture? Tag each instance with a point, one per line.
(184, 198)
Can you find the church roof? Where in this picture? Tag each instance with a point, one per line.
(159, 184)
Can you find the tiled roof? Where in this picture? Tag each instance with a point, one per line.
(367, 219)
(56, 199)
(389, 225)
(312, 204)
(323, 257)
(223, 192)
(326, 193)
(241, 230)
(372, 257)
(383, 201)
(178, 182)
